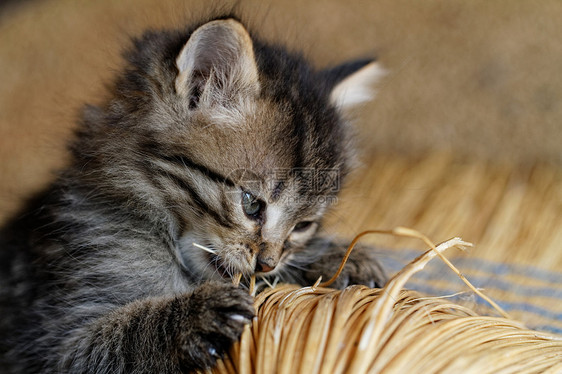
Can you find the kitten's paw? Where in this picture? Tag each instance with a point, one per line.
(362, 267)
(216, 315)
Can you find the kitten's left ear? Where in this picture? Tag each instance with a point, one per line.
(217, 60)
(353, 82)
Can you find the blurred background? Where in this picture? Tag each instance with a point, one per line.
(464, 138)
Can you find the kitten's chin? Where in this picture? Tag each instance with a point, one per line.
(219, 268)
(203, 260)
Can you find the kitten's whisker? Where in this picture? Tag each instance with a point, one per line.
(286, 276)
(204, 248)
(294, 265)
(264, 279)
(247, 283)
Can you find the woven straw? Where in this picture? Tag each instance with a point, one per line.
(389, 330)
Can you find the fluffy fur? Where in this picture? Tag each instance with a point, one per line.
(101, 269)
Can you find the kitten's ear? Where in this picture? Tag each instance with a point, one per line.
(353, 82)
(217, 60)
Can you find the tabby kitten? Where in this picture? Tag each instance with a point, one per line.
(209, 138)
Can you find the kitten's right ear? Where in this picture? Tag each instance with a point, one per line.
(217, 61)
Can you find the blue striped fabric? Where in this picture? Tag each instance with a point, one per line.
(529, 294)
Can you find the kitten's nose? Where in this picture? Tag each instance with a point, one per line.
(264, 266)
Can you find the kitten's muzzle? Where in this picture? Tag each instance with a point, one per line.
(268, 256)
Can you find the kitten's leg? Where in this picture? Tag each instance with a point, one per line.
(163, 335)
(323, 256)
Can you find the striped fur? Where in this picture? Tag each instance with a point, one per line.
(101, 271)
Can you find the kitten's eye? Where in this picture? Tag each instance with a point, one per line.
(252, 206)
(302, 226)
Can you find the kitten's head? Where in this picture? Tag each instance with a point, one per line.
(242, 142)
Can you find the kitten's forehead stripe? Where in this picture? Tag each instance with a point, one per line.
(300, 135)
(276, 193)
